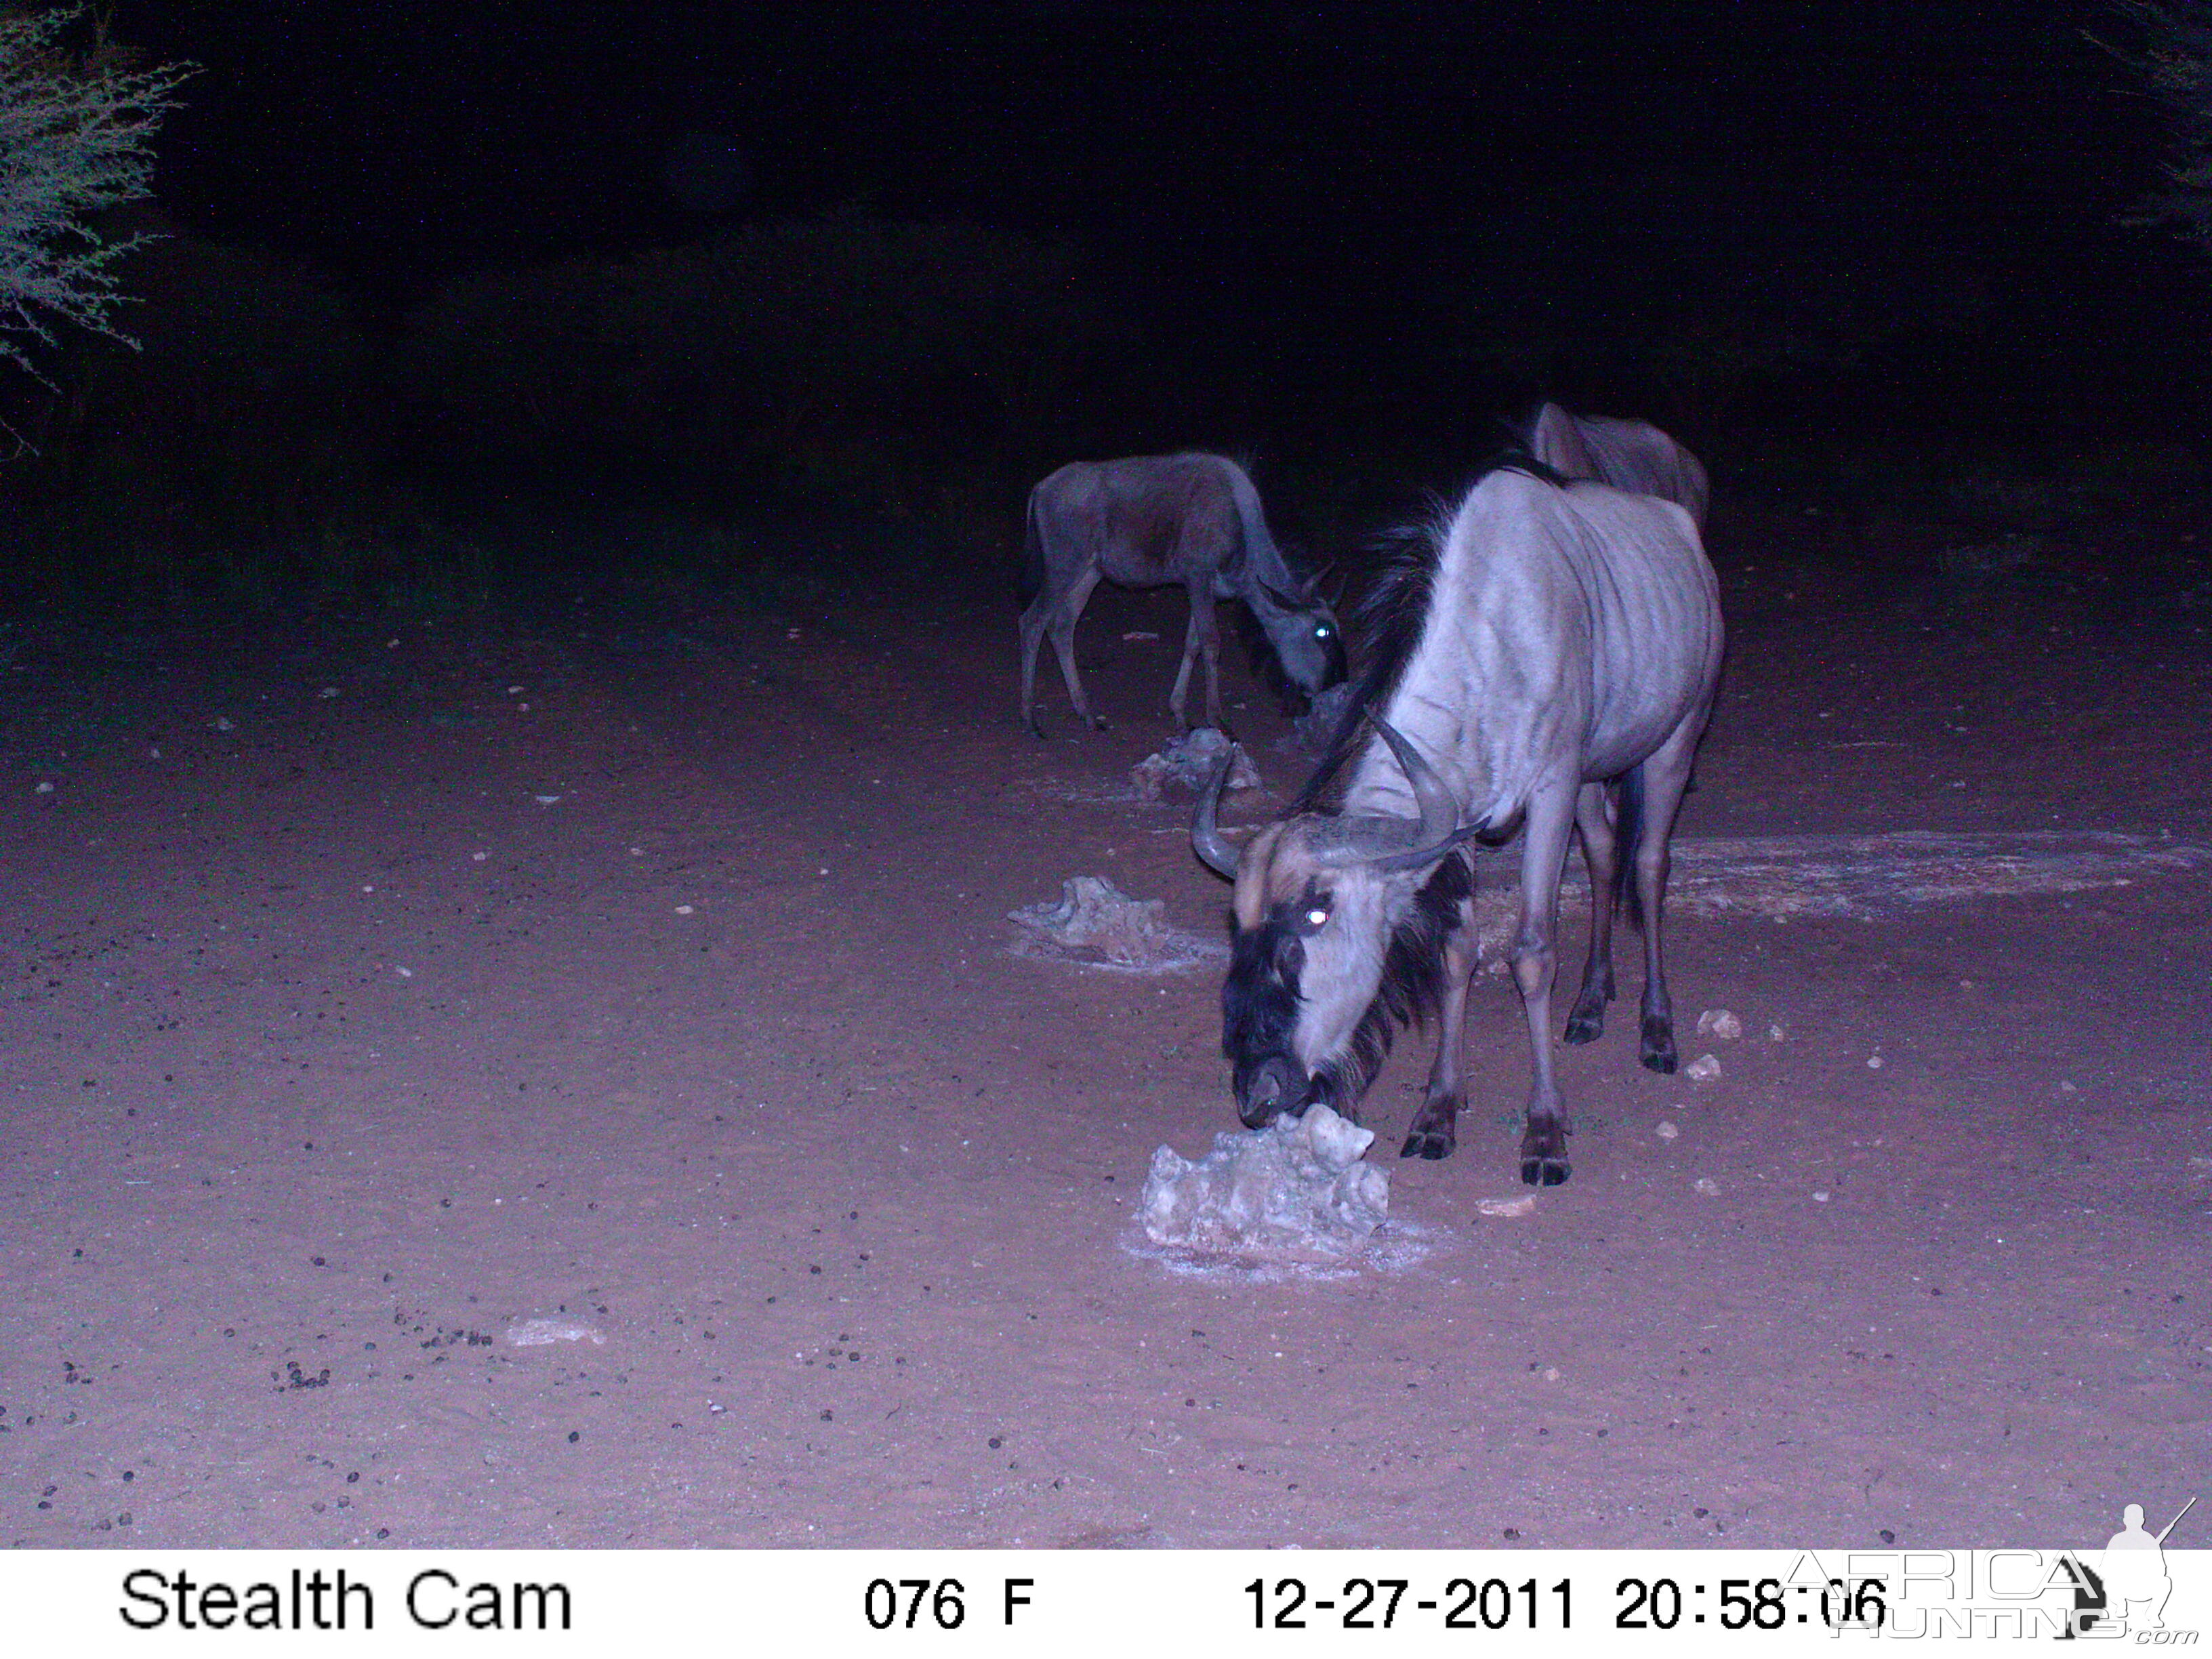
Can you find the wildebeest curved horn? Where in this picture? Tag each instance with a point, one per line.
(1219, 854)
(1439, 829)
(1287, 601)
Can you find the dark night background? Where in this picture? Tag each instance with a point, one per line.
(435, 265)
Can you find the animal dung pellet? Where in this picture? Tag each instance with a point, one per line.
(1704, 1068)
(1718, 1022)
(1667, 1131)
(1706, 1186)
(1189, 763)
(1295, 1191)
(1502, 1207)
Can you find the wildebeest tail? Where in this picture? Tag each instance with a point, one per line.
(1032, 582)
(1627, 835)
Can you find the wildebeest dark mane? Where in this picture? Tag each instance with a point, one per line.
(1412, 985)
(1390, 619)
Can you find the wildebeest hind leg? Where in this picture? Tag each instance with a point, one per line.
(1435, 1129)
(1543, 851)
(1032, 627)
(1666, 776)
(1594, 818)
(1064, 616)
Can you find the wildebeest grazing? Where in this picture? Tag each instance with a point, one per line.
(1150, 520)
(1633, 455)
(1549, 660)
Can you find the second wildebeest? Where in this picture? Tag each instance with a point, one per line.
(1150, 520)
(1548, 661)
(1633, 455)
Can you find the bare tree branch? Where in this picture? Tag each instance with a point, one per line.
(2175, 61)
(76, 130)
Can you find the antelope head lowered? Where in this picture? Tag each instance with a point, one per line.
(1334, 931)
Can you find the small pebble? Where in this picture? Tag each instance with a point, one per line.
(43, 789)
(1551, 1373)
(1704, 1068)
(1819, 1198)
(1720, 1024)
(1667, 1132)
(1707, 1185)
(1774, 1033)
(682, 910)
(328, 691)
(1524, 1205)
(1874, 1062)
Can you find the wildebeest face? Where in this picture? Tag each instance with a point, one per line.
(1303, 632)
(1318, 899)
(1307, 944)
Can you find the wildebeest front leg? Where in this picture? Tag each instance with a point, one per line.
(1543, 851)
(1594, 818)
(1666, 776)
(1435, 1129)
(1203, 636)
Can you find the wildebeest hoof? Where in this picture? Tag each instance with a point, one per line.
(1659, 1047)
(1431, 1144)
(1585, 1025)
(1544, 1171)
(1544, 1154)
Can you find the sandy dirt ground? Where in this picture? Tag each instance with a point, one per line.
(559, 1074)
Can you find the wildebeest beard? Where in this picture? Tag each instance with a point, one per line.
(1260, 999)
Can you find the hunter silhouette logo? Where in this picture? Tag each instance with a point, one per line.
(2127, 1591)
(2135, 1569)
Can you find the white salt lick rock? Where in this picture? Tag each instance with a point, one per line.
(1295, 1191)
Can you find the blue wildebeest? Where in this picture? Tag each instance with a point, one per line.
(1547, 660)
(1155, 520)
(1632, 455)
